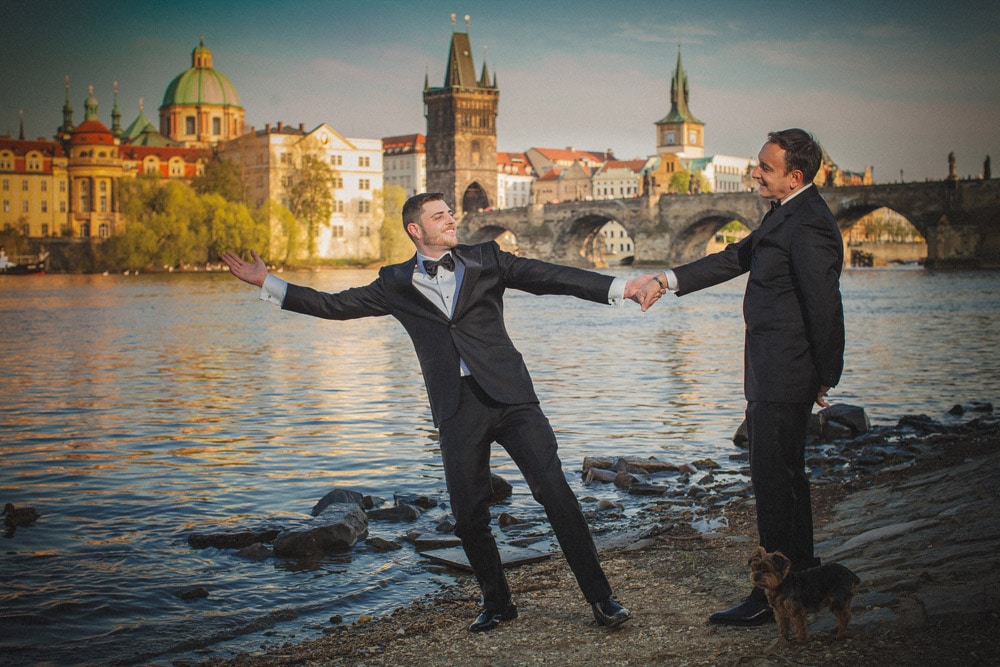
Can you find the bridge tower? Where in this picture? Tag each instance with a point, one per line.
(461, 130)
(679, 132)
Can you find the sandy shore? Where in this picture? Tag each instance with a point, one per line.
(925, 540)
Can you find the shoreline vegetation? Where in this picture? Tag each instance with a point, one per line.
(921, 530)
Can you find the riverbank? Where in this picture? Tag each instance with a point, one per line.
(924, 538)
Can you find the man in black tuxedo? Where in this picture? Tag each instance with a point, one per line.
(794, 347)
(449, 297)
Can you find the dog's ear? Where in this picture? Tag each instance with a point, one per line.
(757, 556)
(780, 561)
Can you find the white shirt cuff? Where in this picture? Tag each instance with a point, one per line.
(616, 294)
(273, 290)
(671, 280)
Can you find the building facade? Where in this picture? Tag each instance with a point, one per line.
(514, 179)
(461, 131)
(619, 179)
(270, 160)
(404, 159)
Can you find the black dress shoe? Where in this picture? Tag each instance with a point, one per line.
(753, 610)
(609, 613)
(491, 618)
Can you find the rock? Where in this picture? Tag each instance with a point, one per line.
(338, 496)
(850, 417)
(397, 513)
(256, 551)
(428, 543)
(599, 475)
(232, 540)
(379, 544)
(193, 593)
(741, 439)
(605, 505)
(342, 525)
(506, 519)
(421, 501)
(502, 489)
(446, 526)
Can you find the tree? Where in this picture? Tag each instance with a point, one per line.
(396, 245)
(283, 231)
(311, 197)
(222, 177)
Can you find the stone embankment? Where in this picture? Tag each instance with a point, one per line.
(913, 509)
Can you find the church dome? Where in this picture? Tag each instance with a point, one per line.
(200, 84)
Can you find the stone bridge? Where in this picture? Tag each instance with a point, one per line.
(959, 219)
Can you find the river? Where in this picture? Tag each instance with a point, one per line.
(139, 409)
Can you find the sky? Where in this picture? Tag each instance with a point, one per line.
(894, 84)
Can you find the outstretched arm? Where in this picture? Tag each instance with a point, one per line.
(249, 272)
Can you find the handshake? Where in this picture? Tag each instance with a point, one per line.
(647, 289)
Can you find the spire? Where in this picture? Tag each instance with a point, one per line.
(484, 78)
(67, 125)
(679, 111)
(21, 133)
(427, 81)
(90, 104)
(116, 116)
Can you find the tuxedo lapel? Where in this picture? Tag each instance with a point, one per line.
(403, 277)
(472, 261)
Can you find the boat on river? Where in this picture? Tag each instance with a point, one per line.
(22, 265)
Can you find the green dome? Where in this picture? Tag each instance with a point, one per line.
(200, 84)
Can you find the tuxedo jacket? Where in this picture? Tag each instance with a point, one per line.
(792, 307)
(476, 332)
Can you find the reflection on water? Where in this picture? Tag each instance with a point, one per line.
(136, 410)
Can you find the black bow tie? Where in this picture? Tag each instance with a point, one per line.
(431, 266)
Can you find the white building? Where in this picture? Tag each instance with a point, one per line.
(514, 179)
(404, 158)
(618, 179)
(724, 172)
(270, 159)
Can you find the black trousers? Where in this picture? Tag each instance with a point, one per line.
(525, 432)
(777, 435)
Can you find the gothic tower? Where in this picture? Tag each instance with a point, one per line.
(461, 131)
(679, 132)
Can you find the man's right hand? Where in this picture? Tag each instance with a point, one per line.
(249, 272)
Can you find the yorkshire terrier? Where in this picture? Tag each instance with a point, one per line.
(792, 595)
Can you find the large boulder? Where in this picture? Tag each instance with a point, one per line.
(336, 529)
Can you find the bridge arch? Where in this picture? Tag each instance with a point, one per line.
(475, 198)
(582, 240)
(694, 236)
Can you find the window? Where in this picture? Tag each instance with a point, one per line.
(24, 184)
(103, 204)
(45, 229)
(62, 186)
(189, 124)
(216, 126)
(24, 206)
(671, 138)
(338, 207)
(365, 184)
(364, 161)
(337, 231)
(25, 230)
(364, 206)
(6, 206)
(84, 196)
(6, 184)
(104, 231)
(45, 186)
(45, 206)
(337, 182)
(337, 160)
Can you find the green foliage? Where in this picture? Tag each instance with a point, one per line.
(311, 197)
(171, 225)
(396, 244)
(286, 234)
(222, 177)
(681, 182)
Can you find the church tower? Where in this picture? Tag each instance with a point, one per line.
(679, 132)
(461, 131)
